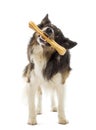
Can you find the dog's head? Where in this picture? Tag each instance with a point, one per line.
(54, 33)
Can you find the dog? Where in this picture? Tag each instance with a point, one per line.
(46, 68)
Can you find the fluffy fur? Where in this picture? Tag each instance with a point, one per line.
(46, 68)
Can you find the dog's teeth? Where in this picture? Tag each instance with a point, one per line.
(43, 39)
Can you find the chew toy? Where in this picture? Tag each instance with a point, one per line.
(61, 50)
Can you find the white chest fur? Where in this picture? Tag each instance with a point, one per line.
(40, 62)
(39, 80)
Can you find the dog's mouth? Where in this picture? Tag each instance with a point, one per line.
(49, 33)
(42, 41)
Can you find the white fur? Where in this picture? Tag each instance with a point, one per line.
(37, 80)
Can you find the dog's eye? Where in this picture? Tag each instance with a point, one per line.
(49, 30)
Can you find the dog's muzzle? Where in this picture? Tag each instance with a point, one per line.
(49, 32)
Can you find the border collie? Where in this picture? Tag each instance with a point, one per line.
(46, 68)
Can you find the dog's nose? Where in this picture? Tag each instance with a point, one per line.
(48, 31)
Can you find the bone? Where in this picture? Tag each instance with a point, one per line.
(61, 50)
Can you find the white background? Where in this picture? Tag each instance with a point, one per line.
(77, 20)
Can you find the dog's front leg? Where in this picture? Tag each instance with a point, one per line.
(31, 105)
(53, 103)
(61, 112)
(39, 103)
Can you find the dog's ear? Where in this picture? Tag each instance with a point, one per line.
(45, 20)
(68, 44)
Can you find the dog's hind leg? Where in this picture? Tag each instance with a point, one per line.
(39, 101)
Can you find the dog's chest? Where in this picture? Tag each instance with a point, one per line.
(39, 64)
(38, 69)
(38, 78)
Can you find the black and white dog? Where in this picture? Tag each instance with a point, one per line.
(46, 68)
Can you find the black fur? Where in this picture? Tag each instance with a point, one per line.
(55, 65)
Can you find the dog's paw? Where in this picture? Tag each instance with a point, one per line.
(54, 109)
(63, 121)
(32, 121)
